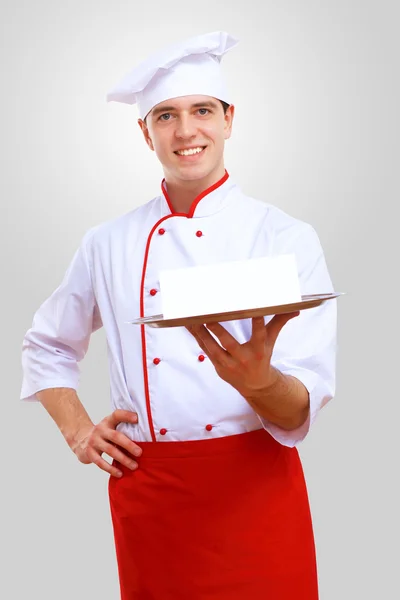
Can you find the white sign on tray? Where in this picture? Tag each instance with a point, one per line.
(229, 286)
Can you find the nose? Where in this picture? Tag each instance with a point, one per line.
(186, 128)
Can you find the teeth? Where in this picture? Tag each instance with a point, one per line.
(190, 151)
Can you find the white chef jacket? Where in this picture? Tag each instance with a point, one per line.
(161, 373)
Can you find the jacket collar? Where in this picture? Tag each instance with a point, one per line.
(209, 202)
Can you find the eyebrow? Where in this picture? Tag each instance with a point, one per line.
(164, 109)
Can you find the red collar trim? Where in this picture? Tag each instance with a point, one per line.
(197, 199)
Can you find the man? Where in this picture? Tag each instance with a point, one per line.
(207, 493)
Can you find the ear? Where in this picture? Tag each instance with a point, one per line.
(146, 134)
(228, 118)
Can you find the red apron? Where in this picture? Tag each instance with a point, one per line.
(220, 519)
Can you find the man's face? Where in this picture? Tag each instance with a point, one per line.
(188, 136)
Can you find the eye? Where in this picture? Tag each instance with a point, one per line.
(203, 111)
(165, 117)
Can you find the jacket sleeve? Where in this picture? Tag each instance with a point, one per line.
(60, 332)
(306, 346)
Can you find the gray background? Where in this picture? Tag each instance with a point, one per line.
(315, 85)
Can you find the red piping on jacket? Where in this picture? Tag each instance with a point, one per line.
(146, 256)
(197, 199)
(144, 357)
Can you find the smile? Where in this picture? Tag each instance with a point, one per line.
(190, 151)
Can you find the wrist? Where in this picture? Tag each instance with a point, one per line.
(74, 436)
(284, 401)
(269, 389)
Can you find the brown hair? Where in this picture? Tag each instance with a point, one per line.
(225, 106)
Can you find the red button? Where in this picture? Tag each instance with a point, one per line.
(208, 427)
(156, 361)
(153, 292)
(163, 431)
(199, 233)
(161, 231)
(202, 357)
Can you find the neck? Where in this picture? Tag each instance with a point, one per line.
(182, 193)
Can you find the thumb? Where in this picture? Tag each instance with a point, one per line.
(123, 416)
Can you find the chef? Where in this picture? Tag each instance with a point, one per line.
(207, 493)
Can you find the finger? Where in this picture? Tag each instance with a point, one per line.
(202, 344)
(103, 464)
(196, 337)
(276, 324)
(122, 440)
(258, 332)
(121, 416)
(193, 332)
(211, 346)
(117, 454)
(227, 340)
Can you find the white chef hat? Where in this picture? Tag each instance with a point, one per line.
(188, 68)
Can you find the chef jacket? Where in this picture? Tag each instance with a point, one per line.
(161, 373)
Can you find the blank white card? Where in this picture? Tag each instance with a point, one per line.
(229, 286)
